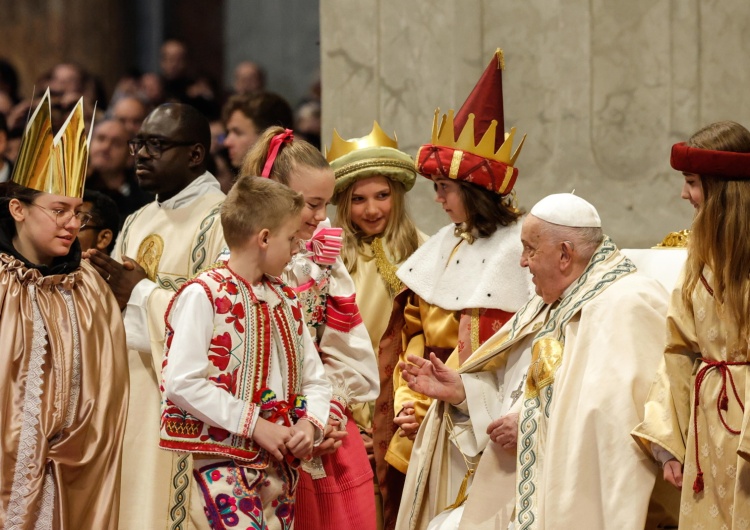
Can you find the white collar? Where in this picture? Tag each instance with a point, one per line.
(200, 186)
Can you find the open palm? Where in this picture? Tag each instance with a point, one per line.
(433, 379)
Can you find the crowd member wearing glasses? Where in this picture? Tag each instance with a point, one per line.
(111, 168)
(101, 231)
(62, 347)
(160, 247)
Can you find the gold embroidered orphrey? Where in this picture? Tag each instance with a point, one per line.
(149, 255)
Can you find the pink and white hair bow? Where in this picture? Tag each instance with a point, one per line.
(326, 245)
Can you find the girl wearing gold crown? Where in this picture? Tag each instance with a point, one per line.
(464, 283)
(63, 361)
(697, 420)
(372, 178)
(335, 488)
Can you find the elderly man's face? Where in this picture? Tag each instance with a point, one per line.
(542, 255)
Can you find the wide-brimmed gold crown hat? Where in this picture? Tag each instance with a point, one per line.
(53, 164)
(376, 154)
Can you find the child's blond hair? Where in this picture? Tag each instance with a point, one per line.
(255, 203)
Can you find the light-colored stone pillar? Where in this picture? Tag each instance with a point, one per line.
(601, 88)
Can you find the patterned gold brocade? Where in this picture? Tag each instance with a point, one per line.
(72, 477)
(675, 240)
(670, 418)
(386, 268)
(546, 357)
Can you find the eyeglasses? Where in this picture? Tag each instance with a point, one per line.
(154, 146)
(63, 217)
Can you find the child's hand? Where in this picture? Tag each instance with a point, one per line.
(272, 437)
(332, 439)
(407, 422)
(301, 442)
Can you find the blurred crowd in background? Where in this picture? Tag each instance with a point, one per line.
(237, 114)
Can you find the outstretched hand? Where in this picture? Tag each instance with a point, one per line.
(433, 379)
(121, 277)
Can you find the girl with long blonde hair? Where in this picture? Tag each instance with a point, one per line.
(696, 409)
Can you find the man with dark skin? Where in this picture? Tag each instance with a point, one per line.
(160, 247)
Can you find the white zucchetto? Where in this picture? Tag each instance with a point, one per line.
(566, 209)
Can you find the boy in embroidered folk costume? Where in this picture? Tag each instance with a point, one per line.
(63, 357)
(591, 338)
(697, 422)
(335, 490)
(462, 284)
(244, 388)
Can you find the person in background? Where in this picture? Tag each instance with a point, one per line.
(111, 171)
(130, 111)
(6, 166)
(102, 230)
(249, 78)
(247, 116)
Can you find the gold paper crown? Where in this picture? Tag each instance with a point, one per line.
(443, 136)
(53, 165)
(376, 138)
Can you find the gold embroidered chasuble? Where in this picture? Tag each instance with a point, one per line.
(695, 338)
(64, 399)
(593, 357)
(173, 244)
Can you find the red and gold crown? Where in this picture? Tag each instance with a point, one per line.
(55, 165)
(465, 147)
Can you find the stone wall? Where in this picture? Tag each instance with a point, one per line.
(602, 88)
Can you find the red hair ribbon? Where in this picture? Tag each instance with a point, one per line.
(273, 150)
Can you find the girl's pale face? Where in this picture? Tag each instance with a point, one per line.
(692, 190)
(448, 194)
(316, 186)
(371, 205)
(39, 238)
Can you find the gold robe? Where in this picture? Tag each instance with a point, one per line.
(173, 242)
(693, 335)
(64, 399)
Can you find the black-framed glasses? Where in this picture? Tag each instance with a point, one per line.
(154, 146)
(63, 217)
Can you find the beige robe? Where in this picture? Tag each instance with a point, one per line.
(670, 413)
(173, 242)
(63, 401)
(584, 469)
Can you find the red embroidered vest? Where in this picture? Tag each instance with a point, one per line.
(240, 355)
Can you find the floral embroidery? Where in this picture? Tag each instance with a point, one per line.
(223, 305)
(220, 346)
(224, 283)
(238, 315)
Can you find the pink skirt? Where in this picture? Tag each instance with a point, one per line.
(344, 499)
